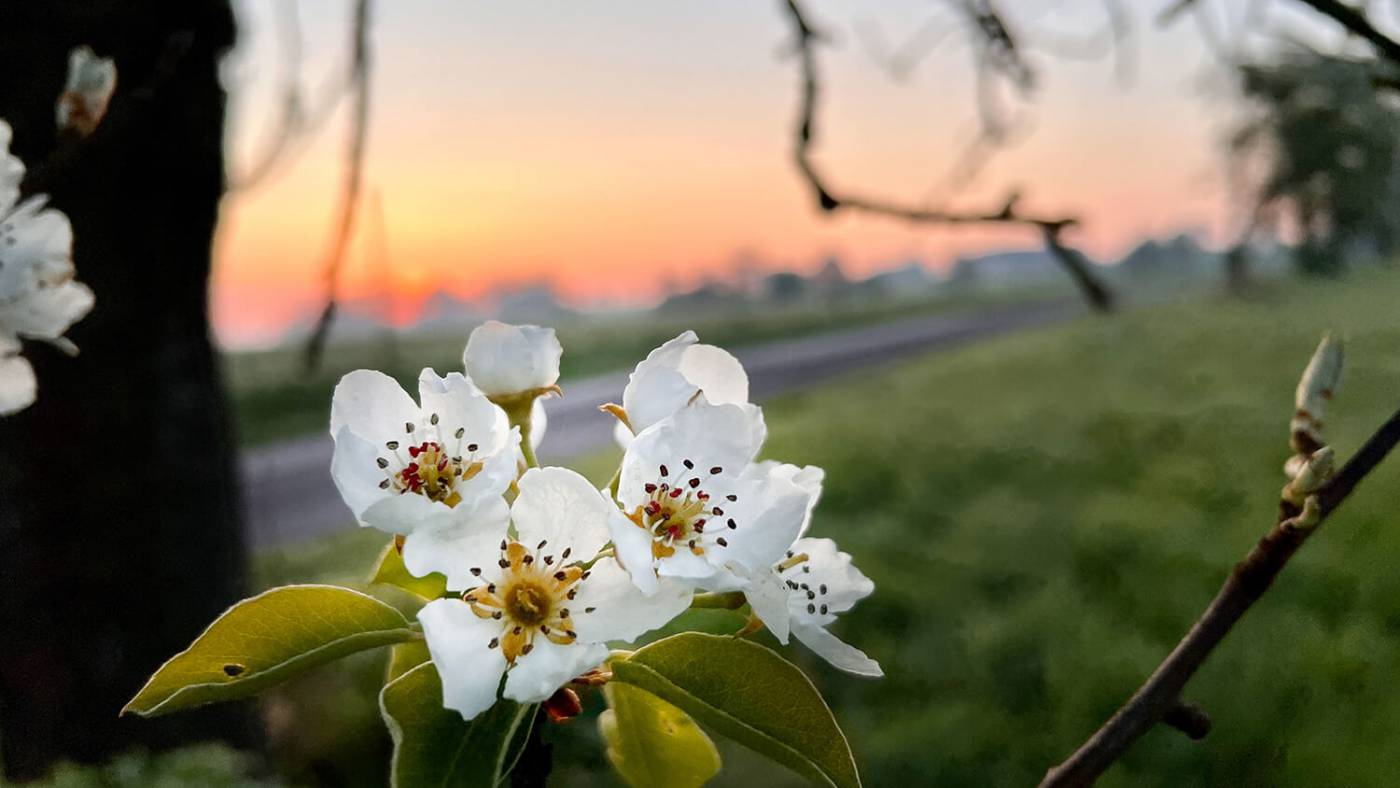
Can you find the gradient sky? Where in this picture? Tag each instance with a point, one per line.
(612, 146)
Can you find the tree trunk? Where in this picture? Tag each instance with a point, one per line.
(120, 535)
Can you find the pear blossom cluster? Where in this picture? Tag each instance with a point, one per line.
(39, 297)
(546, 572)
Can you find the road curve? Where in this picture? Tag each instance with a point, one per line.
(289, 496)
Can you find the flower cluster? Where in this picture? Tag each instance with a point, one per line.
(39, 298)
(543, 569)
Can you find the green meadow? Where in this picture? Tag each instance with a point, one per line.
(1044, 516)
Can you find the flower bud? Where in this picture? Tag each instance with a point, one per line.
(1317, 385)
(1313, 473)
(505, 360)
(91, 81)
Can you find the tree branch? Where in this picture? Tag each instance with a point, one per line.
(1356, 23)
(806, 131)
(1159, 697)
(354, 176)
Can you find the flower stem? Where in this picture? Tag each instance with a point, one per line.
(732, 600)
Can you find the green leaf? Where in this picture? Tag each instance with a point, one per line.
(653, 744)
(267, 639)
(750, 694)
(391, 571)
(404, 657)
(434, 746)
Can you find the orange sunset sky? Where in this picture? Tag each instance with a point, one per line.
(610, 146)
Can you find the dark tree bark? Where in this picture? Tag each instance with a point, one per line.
(120, 534)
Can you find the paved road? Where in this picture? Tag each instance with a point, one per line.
(290, 496)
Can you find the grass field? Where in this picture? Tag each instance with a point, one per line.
(1045, 515)
(274, 398)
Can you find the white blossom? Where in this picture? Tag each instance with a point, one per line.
(503, 359)
(91, 82)
(39, 299)
(536, 610)
(672, 375)
(433, 471)
(816, 582)
(697, 505)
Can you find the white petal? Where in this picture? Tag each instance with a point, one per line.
(47, 312)
(809, 478)
(632, 544)
(18, 386)
(550, 666)
(840, 654)
(716, 372)
(458, 642)
(685, 564)
(561, 507)
(620, 610)
(356, 473)
(708, 435)
(770, 513)
(454, 545)
(460, 405)
(507, 359)
(829, 568)
(374, 406)
(656, 388)
(405, 513)
(11, 171)
(768, 595)
(668, 379)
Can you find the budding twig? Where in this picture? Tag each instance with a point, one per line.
(1159, 698)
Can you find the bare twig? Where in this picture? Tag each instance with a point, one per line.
(354, 176)
(1159, 698)
(1357, 23)
(1050, 227)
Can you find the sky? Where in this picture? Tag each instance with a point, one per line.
(618, 147)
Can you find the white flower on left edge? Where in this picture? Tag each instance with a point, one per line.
(696, 504)
(532, 611)
(431, 470)
(39, 298)
(502, 359)
(804, 592)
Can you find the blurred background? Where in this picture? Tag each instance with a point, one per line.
(1034, 287)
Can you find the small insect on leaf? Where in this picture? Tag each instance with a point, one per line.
(234, 669)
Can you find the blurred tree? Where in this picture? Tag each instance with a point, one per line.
(1328, 144)
(120, 536)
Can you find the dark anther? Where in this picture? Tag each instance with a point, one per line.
(460, 432)
(694, 483)
(715, 471)
(383, 463)
(494, 642)
(688, 464)
(503, 563)
(476, 571)
(665, 472)
(471, 447)
(732, 498)
(732, 525)
(408, 426)
(720, 541)
(393, 445)
(559, 575)
(434, 419)
(811, 608)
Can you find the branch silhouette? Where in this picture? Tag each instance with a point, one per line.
(1050, 227)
